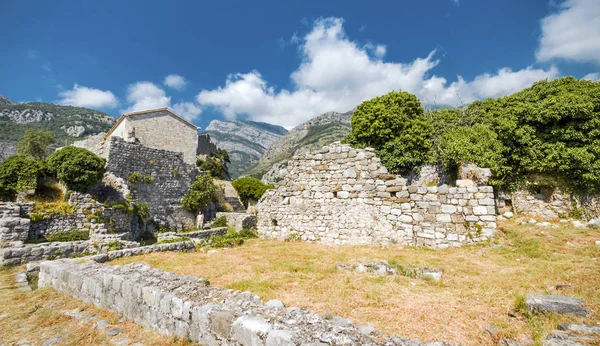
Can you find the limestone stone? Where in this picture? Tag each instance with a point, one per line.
(556, 304)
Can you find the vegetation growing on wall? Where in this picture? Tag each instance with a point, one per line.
(200, 194)
(215, 164)
(551, 128)
(77, 168)
(36, 144)
(250, 188)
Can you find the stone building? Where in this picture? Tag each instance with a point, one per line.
(159, 129)
(341, 195)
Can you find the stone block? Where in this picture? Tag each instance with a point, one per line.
(250, 330)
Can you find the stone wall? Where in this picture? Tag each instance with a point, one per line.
(239, 220)
(190, 308)
(170, 181)
(341, 195)
(13, 226)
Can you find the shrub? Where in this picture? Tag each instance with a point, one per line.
(37, 217)
(250, 188)
(69, 236)
(77, 168)
(395, 125)
(54, 207)
(17, 173)
(142, 209)
(221, 221)
(148, 179)
(134, 177)
(231, 239)
(200, 194)
(215, 166)
(173, 240)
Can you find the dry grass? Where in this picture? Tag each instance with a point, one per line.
(36, 317)
(480, 285)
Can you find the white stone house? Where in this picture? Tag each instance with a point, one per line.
(159, 129)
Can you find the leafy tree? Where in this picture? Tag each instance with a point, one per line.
(201, 193)
(250, 188)
(16, 173)
(395, 125)
(36, 143)
(77, 168)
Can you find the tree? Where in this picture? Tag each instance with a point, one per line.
(77, 168)
(395, 125)
(36, 143)
(17, 173)
(250, 188)
(201, 193)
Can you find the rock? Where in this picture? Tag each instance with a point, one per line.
(114, 332)
(532, 221)
(250, 330)
(526, 342)
(559, 342)
(579, 328)
(101, 324)
(279, 338)
(544, 224)
(465, 183)
(275, 304)
(578, 224)
(594, 223)
(366, 330)
(597, 242)
(340, 321)
(55, 339)
(508, 342)
(470, 171)
(557, 304)
(508, 215)
(492, 330)
(429, 273)
(210, 252)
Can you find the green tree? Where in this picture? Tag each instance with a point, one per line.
(16, 173)
(396, 126)
(200, 194)
(250, 188)
(77, 168)
(36, 143)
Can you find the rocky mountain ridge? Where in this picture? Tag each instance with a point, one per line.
(245, 141)
(68, 123)
(315, 133)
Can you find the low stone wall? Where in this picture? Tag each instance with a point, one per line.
(239, 220)
(190, 308)
(341, 195)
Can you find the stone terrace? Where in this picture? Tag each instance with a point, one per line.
(341, 195)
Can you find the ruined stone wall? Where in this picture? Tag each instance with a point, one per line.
(170, 179)
(341, 195)
(190, 308)
(240, 221)
(13, 225)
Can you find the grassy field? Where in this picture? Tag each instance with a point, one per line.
(36, 317)
(481, 283)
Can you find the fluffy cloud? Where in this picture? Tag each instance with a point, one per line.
(592, 76)
(338, 74)
(146, 95)
(175, 81)
(188, 110)
(82, 96)
(573, 33)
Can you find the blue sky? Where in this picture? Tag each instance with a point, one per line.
(284, 62)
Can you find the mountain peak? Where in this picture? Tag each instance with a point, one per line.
(5, 101)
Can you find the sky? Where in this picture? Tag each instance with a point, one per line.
(284, 62)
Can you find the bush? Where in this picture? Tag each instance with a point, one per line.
(212, 165)
(231, 239)
(250, 188)
(77, 168)
(395, 125)
(69, 236)
(142, 209)
(148, 179)
(200, 194)
(16, 173)
(134, 177)
(219, 222)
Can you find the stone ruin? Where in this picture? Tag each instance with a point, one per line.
(341, 195)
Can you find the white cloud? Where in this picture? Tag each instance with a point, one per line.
(592, 76)
(175, 81)
(338, 74)
(82, 96)
(188, 110)
(146, 95)
(573, 33)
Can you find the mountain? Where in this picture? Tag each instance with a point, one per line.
(5, 101)
(68, 123)
(245, 141)
(313, 134)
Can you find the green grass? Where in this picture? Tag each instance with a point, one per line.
(69, 236)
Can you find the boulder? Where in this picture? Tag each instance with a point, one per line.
(557, 304)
